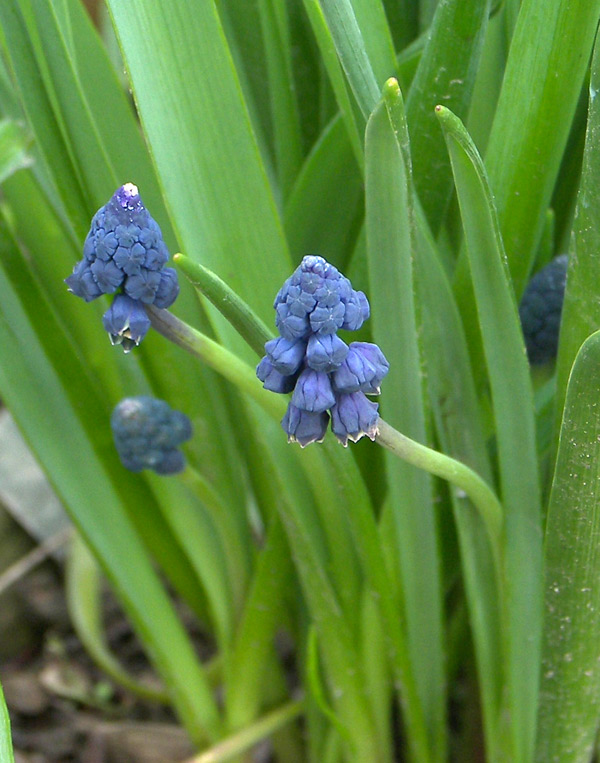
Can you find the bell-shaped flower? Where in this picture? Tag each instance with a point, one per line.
(303, 426)
(354, 416)
(362, 370)
(126, 322)
(313, 391)
(325, 352)
(286, 355)
(272, 379)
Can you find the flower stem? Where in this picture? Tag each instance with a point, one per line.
(458, 474)
(251, 735)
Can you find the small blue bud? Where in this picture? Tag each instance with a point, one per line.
(290, 326)
(143, 286)
(325, 352)
(126, 322)
(286, 356)
(363, 369)
(541, 309)
(147, 433)
(168, 288)
(272, 379)
(313, 391)
(107, 275)
(354, 416)
(327, 320)
(304, 427)
(82, 283)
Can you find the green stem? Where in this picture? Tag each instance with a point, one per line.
(246, 738)
(482, 496)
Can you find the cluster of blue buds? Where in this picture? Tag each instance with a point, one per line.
(147, 433)
(327, 376)
(541, 309)
(124, 254)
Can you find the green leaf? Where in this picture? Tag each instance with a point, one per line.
(13, 149)
(44, 383)
(6, 750)
(213, 178)
(548, 58)
(390, 238)
(84, 600)
(460, 430)
(581, 311)
(318, 218)
(513, 413)
(446, 74)
(570, 683)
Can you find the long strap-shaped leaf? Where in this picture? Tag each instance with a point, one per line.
(446, 74)
(201, 140)
(513, 412)
(548, 57)
(581, 310)
(570, 684)
(390, 238)
(6, 750)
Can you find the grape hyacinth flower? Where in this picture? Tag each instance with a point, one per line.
(124, 254)
(326, 375)
(541, 309)
(147, 433)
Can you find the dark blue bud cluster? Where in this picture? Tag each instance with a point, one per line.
(327, 376)
(124, 254)
(541, 309)
(147, 433)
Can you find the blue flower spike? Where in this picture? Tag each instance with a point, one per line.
(124, 254)
(147, 433)
(329, 378)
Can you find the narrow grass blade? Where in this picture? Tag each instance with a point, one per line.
(13, 149)
(213, 178)
(390, 239)
(6, 749)
(84, 601)
(446, 74)
(354, 125)
(352, 52)
(287, 136)
(318, 218)
(570, 683)
(513, 412)
(460, 431)
(548, 58)
(97, 491)
(581, 310)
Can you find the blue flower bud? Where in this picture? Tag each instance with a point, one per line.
(82, 283)
(313, 391)
(290, 326)
(304, 427)
(107, 275)
(327, 320)
(362, 370)
(272, 379)
(541, 309)
(147, 433)
(325, 352)
(126, 322)
(286, 356)
(168, 289)
(357, 311)
(143, 286)
(354, 416)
